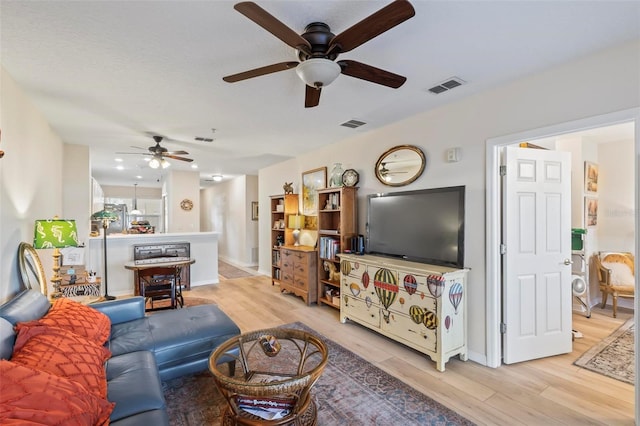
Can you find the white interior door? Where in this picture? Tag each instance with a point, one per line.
(536, 233)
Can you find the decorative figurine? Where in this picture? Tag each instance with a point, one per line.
(288, 188)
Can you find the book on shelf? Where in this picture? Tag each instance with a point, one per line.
(329, 231)
(328, 247)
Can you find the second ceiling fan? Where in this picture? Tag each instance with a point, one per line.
(318, 48)
(158, 154)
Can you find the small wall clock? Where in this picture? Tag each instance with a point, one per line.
(186, 204)
(350, 177)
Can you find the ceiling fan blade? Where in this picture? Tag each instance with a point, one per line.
(175, 153)
(311, 97)
(177, 158)
(133, 153)
(273, 25)
(282, 66)
(367, 72)
(372, 26)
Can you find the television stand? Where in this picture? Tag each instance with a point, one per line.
(421, 306)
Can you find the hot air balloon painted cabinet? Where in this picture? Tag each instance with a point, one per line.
(421, 306)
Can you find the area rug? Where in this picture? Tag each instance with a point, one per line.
(613, 356)
(230, 272)
(351, 391)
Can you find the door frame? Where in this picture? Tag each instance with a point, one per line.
(493, 219)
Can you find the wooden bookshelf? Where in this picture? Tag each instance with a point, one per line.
(281, 207)
(337, 224)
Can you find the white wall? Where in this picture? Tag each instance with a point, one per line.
(616, 210)
(600, 83)
(30, 178)
(226, 209)
(77, 188)
(179, 186)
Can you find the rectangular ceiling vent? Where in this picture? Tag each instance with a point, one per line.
(201, 139)
(448, 84)
(353, 123)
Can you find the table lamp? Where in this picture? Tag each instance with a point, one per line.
(296, 222)
(56, 234)
(106, 216)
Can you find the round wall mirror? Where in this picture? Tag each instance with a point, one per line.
(31, 271)
(400, 165)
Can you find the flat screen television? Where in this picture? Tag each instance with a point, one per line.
(425, 226)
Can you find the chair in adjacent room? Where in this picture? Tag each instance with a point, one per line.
(158, 284)
(615, 276)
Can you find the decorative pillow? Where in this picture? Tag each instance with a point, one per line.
(32, 396)
(63, 353)
(621, 267)
(78, 318)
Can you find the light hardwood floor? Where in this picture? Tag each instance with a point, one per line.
(549, 391)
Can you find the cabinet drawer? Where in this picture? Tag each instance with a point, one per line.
(301, 269)
(300, 282)
(358, 309)
(286, 276)
(300, 258)
(408, 329)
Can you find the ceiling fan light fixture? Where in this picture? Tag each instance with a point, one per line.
(164, 163)
(216, 178)
(154, 163)
(318, 72)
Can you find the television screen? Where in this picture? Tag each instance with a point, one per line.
(422, 226)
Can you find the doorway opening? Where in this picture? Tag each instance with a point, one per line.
(493, 215)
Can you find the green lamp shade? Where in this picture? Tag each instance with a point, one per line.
(109, 215)
(55, 233)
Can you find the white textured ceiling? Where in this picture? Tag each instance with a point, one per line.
(110, 73)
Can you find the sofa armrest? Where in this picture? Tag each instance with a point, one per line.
(122, 310)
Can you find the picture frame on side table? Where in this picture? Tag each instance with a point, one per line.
(254, 210)
(312, 180)
(590, 212)
(590, 177)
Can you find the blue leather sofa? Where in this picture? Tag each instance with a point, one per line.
(145, 349)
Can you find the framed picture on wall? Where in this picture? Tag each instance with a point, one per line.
(312, 180)
(590, 177)
(590, 211)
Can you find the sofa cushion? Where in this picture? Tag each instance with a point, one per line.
(29, 395)
(63, 353)
(133, 384)
(78, 318)
(26, 306)
(181, 339)
(7, 339)
(153, 417)
(130, 336)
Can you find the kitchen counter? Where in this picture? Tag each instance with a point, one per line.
(204, 249)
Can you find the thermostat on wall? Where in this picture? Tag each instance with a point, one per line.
(453, 155)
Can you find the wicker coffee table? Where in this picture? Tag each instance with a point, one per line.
(274, 373)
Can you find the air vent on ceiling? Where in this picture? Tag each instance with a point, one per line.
(448, 84)
(201, 139)
(353, 123)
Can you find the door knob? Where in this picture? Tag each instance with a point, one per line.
(568, 262)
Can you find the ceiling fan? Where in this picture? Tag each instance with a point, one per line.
(158, 154)
(318, 48)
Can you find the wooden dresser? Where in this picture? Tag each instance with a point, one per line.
(298, 272)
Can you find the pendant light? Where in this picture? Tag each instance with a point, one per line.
(135, 210)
